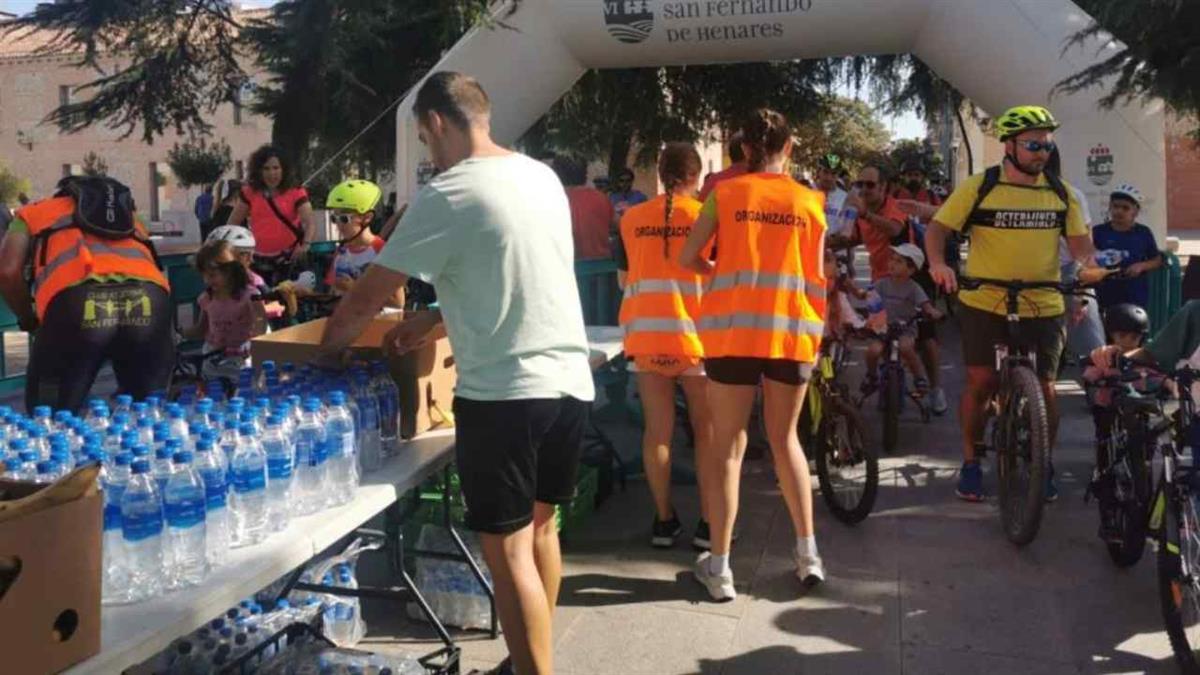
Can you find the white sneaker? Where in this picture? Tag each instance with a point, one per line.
(810, 570)
(720, 586)
(938, 401)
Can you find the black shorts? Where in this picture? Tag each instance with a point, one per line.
(981, 331)
(513, 453)
(738, 370)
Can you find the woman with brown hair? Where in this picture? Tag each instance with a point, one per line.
(279, 212)
(761, 321)
(658, 314)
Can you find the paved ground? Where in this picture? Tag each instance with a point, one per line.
(927, 584)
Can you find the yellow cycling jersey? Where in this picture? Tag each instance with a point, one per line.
(1014, 236)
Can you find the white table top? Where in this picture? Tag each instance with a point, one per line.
(605, 344)
(131, 634)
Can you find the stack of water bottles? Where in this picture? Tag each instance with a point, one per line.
(186, 481)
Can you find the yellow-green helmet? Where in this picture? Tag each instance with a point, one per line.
(1024, 118)
(354, 195)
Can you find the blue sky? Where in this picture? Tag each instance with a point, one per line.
(903, 126)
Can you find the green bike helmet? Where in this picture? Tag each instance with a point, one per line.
(830, 161)
(1024, 118)
(354, 195)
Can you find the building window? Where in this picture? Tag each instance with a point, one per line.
(64, 95)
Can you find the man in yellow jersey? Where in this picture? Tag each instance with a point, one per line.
(1014, 215)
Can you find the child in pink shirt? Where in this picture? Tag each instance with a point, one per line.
(229, 311)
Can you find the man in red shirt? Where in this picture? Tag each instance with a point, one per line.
(592, 214)
(737, 166)
(880, 222)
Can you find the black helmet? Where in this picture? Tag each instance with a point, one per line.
(1126, 318)
(830, 161)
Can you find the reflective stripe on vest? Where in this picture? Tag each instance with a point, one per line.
(659, 326)
(662, 286)
(95, 247)
(761, 280)
(766, 322)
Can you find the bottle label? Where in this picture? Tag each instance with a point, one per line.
(112, 517)
(279, 467)
(214, 488)
(139, 524)
(347, 445)
(186, 511)
(249, 479)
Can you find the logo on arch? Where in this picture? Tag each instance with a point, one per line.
(1100, 163)
(629, 21)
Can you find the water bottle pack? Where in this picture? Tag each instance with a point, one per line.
(450, 587)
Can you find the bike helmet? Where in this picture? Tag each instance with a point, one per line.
(1127, 191)
(1024, 118)
(1126, 318)
(240, 237)
(830, 161)
(358, 196)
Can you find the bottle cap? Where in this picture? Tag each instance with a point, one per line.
(183, 457)
(140, 466)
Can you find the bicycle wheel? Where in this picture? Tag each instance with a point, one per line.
(891, 392)
(1022, 455)
(1130, 478)
(1178, 584)
(847, 470)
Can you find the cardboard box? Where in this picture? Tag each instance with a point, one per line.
(51, 612)
(426, 376)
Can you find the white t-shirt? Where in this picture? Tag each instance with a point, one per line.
(493, 236)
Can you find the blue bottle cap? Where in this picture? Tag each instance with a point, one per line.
(124, 399)
(140, 466)
(42, 411)
(183, 457)
(246, 429)
(124, 459)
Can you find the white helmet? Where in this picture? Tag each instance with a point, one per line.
(240, 237)
(1127, 191)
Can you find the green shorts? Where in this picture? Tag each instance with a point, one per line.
(981, 331)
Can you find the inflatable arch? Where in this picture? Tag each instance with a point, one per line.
(999, 53)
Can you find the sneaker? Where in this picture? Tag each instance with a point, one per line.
(937, 401)
(719, 586)
(663, 532)
(702, 540)
(1051, 488)
(970, 482)
(810, 570)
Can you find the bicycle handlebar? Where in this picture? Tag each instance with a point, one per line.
(1017, 285)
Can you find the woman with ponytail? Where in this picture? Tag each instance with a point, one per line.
(658, 316)
(761, 321)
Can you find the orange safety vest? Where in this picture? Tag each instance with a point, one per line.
(767, 295)
(66, 255)
(661, 299)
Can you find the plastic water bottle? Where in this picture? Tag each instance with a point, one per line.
(162, 467)
(228, 440)
(26, 468)
(310, 469)
(388, 395)
(1110, 257)
(203, 412)
(342, 615)
(97, 417)
(185, 500)
(114, 478)
(343, 460)
(154, 407)
(141, 530)
(124, 404)
(369, 451)
(46, 472)
(42, 417)
(281, 459)
(249, 499)
(38, 442)
(177, 422)
(876, 313)
(213, 472)
(145, 430)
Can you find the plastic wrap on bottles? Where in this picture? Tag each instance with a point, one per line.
(449, 587)
(316, 658)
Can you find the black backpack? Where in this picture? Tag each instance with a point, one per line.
(103, 207)
(991, 178)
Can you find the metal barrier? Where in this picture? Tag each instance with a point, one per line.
(1166, 292)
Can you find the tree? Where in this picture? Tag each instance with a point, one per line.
(94, 165)
(844, 126)
(1157, 58)
(909, 150)
(198, 162)
(11, 185)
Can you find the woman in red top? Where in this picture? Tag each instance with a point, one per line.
(280, 215)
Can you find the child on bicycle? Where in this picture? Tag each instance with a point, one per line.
(903, 300)
(229, 311)
(352, 207)
(838, 289)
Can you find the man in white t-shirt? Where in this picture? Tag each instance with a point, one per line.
(492, 233)
(828, 167)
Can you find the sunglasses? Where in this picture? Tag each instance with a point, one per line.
(1038, 146)
(341, 218)
(868, 184)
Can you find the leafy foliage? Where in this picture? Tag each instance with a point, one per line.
(845, 126)
(1159, 54)
(198, 162)
(94, 165)
(909, 150)
(11, 185)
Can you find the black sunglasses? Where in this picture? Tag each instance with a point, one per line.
(869, 184)
(1038, 146)
(341, 218)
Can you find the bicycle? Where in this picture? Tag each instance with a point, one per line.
(1122, 488)
(892, 384)
(848, 471)
(1020, 434)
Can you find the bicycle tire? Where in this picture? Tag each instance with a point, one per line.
(1132, 512)
(892, 391)
(1170, 583)
(1023, 406)
(828, 445)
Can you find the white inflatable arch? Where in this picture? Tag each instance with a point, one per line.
(999, 53)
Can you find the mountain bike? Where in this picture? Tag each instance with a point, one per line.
(892, 386)
(1020, 433)
(847, 470)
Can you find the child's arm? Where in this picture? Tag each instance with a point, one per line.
(258, 314)
(930, 311)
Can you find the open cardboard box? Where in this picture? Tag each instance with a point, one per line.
(50, 612)
(425, 376)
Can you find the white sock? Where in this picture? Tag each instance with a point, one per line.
(806, 547)
(718, 564)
